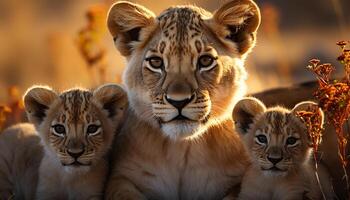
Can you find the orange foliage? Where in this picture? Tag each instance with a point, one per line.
(89, 41)
(313, 121)
(334, 96)
(4, 112)
(12, 112)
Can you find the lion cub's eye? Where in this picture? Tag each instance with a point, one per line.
(261, 139)
(292, 141)
(155, 62)
(59, 130)
(92, 129)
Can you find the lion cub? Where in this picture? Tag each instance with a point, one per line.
(76, 128)
(279, 147)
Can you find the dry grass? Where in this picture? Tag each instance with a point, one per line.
(313, 121)
(334, 98)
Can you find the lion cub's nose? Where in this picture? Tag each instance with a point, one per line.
(274, 160)
(75, 153)
(75, 148)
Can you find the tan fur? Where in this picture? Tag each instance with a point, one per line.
(20, 155)
(154, 167)
(188, 151)
(74, 164)
(328, 152)
(292, 176)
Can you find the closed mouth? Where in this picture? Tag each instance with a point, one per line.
(76, 164)
(180, 117)
(274, 169)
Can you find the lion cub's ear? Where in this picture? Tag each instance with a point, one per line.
(112, 98)
(237, 21)
(37, 101)
(309, 106)
(245, 111)
(125, 21)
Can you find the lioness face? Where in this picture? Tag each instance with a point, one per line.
(185, 68)
(184, 75)
(77, 127)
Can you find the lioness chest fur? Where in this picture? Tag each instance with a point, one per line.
(155, 167)
(280, 146)
(184, 74)
(76, 128)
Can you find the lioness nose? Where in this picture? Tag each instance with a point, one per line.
(274, 160)
(75, 153)
(179, 93)
(179, 104)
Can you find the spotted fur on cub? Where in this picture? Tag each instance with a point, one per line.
(76, 129)
(279, 147)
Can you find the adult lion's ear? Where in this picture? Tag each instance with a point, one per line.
(111, 98)
(245, 111)
(237, 21)
(37, 101)
(125, 21)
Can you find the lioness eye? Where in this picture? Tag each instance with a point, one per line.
(262, 139)
(59, 130)
(205, 61)
(155, 62)
(92, 129)
(291, 140)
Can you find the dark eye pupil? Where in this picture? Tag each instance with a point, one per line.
(156, 62)
(262, 138)
(59, 129)
(206, 61)
(291, 140)
(92, 128)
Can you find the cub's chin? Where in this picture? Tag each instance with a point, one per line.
(80, 169)
(182, 129)
(274, 172)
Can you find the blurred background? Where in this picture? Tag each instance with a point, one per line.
(64, 43)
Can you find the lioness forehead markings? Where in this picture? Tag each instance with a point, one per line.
(188, 25)
(198, 46)
(161, 47)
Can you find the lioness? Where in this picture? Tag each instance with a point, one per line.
(184, 74)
